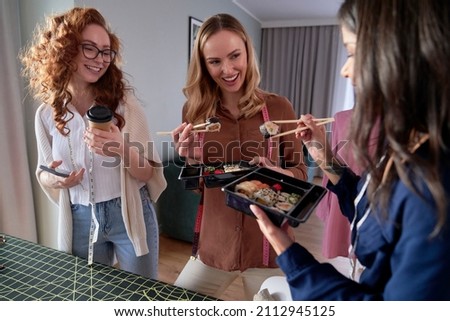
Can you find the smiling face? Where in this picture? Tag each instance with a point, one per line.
(349, 40)
(225, 57)
(91, 70)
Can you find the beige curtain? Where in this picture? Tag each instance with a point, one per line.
(17, 216)
(303, 64)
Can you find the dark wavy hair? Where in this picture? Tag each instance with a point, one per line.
(48, 64)
(402, 68)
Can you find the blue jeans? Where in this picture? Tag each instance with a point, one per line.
(112, 237)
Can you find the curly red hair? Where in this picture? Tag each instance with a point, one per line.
(48, 64)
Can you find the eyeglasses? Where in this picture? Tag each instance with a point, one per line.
(92, 52)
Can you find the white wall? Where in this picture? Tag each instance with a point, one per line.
(32, 12)
(154, 35)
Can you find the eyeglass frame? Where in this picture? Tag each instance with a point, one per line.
(114, 53)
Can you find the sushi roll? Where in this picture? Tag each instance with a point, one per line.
(213, 127)
(212, 120)
(265, 196)
(269, 129)
(231, 168)
(284, 206)
(247, 188)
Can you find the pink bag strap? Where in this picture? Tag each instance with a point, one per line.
(266, 244)
(199, 216)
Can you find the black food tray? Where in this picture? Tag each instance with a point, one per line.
(309, 196)
(191, 174)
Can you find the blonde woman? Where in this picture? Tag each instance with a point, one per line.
(223, 80)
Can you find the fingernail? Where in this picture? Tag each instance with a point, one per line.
(253, 209)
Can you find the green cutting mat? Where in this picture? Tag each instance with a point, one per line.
(35, 272)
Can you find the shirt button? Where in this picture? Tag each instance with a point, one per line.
(237, 228)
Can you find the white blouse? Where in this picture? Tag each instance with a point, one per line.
(136, 125)
(73, 152)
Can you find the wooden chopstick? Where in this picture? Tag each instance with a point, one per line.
(199, 125)
(194, 131)
(291, 121)
(322, 122)
(206, 130)
(209, 121)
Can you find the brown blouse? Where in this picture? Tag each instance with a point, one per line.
(231, 240)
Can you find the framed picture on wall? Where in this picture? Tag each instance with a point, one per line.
(194, 26)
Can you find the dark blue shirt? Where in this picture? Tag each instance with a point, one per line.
(402, 261)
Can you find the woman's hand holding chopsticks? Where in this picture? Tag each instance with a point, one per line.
(313, 136)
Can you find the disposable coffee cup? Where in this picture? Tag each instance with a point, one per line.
(99, 117)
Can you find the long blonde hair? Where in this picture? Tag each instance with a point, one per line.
(202, 92)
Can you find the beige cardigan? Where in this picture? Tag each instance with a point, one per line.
(136, 126)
